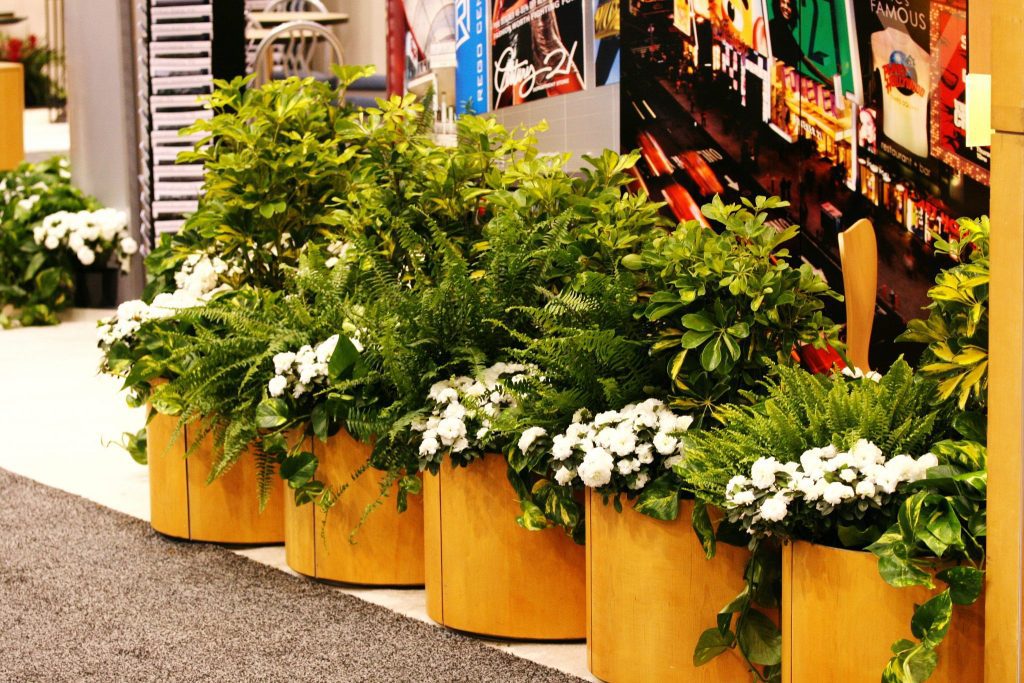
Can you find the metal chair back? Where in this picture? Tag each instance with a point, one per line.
(301, 47)
(295, 6)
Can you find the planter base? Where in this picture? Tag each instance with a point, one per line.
(183, 506)
(488, 576)
(651, 592)
(388, 549)
(839, 619)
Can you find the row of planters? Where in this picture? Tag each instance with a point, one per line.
(466, 368)
(58, 248)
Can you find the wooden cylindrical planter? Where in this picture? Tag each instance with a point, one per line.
(485, 573)
(184, 506)
(840, 618)
(651, 592)
(388, 549)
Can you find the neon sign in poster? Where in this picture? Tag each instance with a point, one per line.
(471, 92)
(816, 38)
(536, 50)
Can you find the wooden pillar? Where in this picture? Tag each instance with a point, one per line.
(12, 112)
(1004, 640)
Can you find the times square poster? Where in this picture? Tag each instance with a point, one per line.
(848, 110)
(537, 50)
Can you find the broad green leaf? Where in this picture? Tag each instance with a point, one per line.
(344, 357)
(931, 619)
(698, 322)
(711, 643)
(965, 583)
(660, 498)
(759, 639)
(272, 413)
(298, 470)
(700, 520)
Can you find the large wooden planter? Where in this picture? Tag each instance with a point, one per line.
(182, 505)
(651, 592)
(486, 574)
(389, 547)
(839, 619)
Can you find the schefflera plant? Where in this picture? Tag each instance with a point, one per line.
(728, 304)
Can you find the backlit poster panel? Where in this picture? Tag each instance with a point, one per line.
(682, 17)
(817, 38)
(471, 82)
(948, 71)
(607, 15)
(536, 50)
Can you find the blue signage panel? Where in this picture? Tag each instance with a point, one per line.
(471, 91)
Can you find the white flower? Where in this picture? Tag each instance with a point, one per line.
(283, 361)
(628, 466)
(461, 444)
(529, 436)
(672, 461)
(86, 256)
(129, 245)
(607, 417)
(481, 433)
(847, 474)
(743, 498)
(836, 492)
(641, 481)
(865, 453)
(596, 468)
(451, 429)
(665, 443)
(455, 409)
(561, 447)
(865, 489)
(622, 442)
(775, 509)
(737, 482)
(52, 242)
(762, 472)
(811, 488)
(563, 475)
(645, 454)
(277, 385)
(428, 446)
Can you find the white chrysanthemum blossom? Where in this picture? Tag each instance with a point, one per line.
(821, 482)
(304, 371)
(464, 408)
(642, 440)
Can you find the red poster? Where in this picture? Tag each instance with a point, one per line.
(949, 68)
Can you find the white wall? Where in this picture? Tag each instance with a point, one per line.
(101, 107)
(33, 10)
(364, 37)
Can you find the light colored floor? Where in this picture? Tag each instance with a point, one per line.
(42, 138)
(57, 418)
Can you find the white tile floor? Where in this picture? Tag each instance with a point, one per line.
(57, 417)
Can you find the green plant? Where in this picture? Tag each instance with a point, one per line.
(828, 460)
(956, 329)
(940, 534)
(729, 306)
(40, 89)
(35, 282)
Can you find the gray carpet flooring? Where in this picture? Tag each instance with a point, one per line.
(89, 594)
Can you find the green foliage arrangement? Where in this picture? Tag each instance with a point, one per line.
(956, 329)
(35, 282)
(832, 460)
(729, 305)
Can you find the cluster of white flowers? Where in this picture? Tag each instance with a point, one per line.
(464, 408)
(201, 274)
(822, 480)
(88, 234)
(131, 315)
(339, 252)
(625, 448)
(857, 373)
(303, 371)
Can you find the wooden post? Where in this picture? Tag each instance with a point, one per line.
(1004, 640)
(12, 113)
